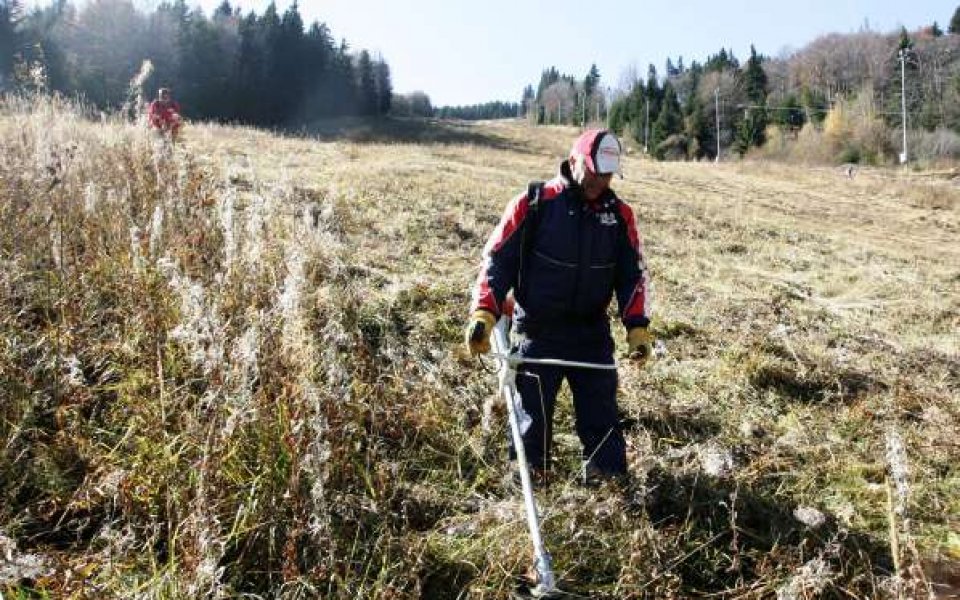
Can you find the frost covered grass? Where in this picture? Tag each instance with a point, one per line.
(233, 368)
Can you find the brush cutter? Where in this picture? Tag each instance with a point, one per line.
(520, 421)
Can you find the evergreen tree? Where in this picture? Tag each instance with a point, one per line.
(721, 61)
(366, 84)
(617, 116)
(669, 122)
(696, 125)
(318, 72)
(905, 43)
(755, 78)
(697, 131)
(893, 92)
(9, 40)
(935, 30)
(528, 100)
(955, 22)
(162, 45)
(197, 80)
(384, 86)
(344, 88)
(591, 81)
(653, 93)
(249, 69)
(273, 96)
(287, 72)
(639, 111)
(750, 130)
(223, 11)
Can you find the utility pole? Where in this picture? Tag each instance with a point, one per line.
(646, 125)
(607, 101)
(716, 96)
(583, 111)
(903, 102)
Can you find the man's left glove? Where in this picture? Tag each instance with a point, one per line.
(478, 332)
(640, 345)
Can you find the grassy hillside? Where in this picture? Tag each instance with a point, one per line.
(234, 368)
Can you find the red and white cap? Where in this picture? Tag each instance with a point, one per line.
(600, 150)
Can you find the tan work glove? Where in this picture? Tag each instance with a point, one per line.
(640, 345)
(477, 336)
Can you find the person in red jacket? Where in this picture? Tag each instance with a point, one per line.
(566, 248)
(164, 114)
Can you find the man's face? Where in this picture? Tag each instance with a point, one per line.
(595, 185)
(165, 97)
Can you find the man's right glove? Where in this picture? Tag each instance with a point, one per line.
(478, 332)
(640, 345)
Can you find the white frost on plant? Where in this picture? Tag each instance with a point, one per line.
(227, 210)
(90, 198)
(136, 252)
(199, 331)
(808, 581)
(716, 461)
(290, 298)
(899, 470)
(55, 239)
(156, 229)
(15, 566)
(809, 516)
(254, 227)
(73, 372)
(244, 370)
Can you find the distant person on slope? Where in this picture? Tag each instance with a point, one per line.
(164, 115)
(564, 248)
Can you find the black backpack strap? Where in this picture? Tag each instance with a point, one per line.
(530, 223)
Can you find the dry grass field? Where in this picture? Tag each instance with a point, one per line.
(233, 369)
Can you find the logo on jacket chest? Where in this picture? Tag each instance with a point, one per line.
(607, 218)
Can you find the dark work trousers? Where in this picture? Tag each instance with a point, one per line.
(594, 402)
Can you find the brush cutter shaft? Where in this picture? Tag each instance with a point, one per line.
(514, 360)
(508, 384)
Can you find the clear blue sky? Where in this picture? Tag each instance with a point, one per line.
(466, 52)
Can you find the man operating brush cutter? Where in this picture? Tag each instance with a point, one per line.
(564, 248)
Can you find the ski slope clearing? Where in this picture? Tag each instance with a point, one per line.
(234, 366)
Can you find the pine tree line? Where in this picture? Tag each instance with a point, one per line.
(266, 69)
(676, 116)
(474, 112)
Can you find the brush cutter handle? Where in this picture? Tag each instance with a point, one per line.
(515, 359)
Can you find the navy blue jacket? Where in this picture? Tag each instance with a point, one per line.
(581, 253)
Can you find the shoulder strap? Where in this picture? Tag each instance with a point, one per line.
(530, 223)
(621, 223)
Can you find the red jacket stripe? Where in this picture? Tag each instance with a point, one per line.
(510, 223)
(637, 306)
